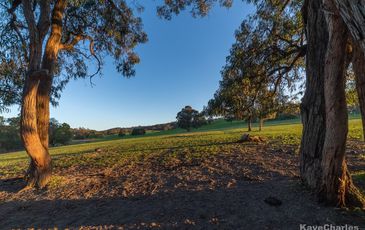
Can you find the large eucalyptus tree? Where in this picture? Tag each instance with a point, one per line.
(44, 44)
(334, 30)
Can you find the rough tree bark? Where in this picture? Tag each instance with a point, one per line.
(336, 187)
(313, 105)
(353, 14)
(49, 60)
(37, 90)
(39, 170)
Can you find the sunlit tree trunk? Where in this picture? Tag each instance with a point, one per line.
(40, 165)
(49, 60)
(336, 187)
(36, 95)
(43, 114)
(313, 105)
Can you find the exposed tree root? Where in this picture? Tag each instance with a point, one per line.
(38, 176)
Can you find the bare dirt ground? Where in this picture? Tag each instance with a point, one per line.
(221, 191)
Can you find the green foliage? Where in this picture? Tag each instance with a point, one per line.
(9, 134)
(189, 118)
(59, 133)
(63, 134)
(266, 58)
(109, 27)
(197, 7)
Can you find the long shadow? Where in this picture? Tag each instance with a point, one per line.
(241, 207)
(12, 185)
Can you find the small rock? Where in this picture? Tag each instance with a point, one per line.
(98, 150)
(190, 222)
(232, 183)
(245, 137)
(272, 201)
(153, 224)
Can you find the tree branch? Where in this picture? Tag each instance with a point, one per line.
(29, 17)
(15, 5)
(44, 18)
(81, 37)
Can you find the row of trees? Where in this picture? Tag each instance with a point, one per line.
(9, 134)
(59, 134)
(40, 52)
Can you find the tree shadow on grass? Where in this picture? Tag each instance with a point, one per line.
(240, 207)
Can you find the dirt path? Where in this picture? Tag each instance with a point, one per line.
(221, 191)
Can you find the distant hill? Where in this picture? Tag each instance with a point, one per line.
(157, 127)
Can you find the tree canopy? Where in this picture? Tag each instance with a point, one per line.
(90, 30)
(189, 118)
(265, 62)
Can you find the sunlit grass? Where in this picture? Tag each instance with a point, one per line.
(211, 139)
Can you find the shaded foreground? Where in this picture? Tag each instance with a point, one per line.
(187, 187)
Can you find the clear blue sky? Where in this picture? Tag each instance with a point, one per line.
(180, 65)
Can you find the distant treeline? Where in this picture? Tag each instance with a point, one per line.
(63, 134)
(59, 134)
(158, 127)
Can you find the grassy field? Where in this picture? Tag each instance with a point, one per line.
(209, 139)
(174, 179)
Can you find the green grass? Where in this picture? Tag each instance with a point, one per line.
(210, 139)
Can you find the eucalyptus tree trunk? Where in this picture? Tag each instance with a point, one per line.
(48, 63)
(313, 105)
(39, 170)
(336, 187)
(38, 83)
